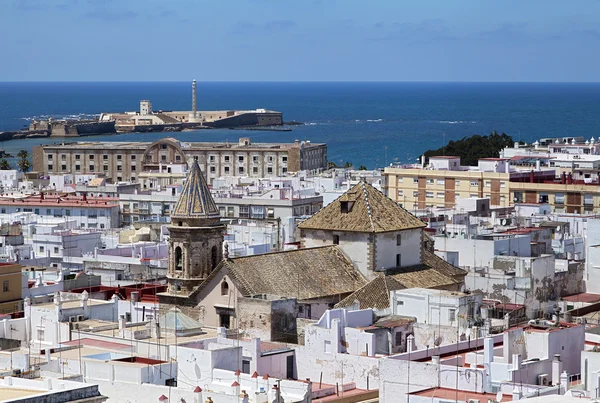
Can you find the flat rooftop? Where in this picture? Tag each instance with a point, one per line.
(7, 393)
(458, 395)
(186, 146)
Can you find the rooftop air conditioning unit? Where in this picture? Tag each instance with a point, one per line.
(473, 401)
(80, 318)
(72, 319)
(543, 380)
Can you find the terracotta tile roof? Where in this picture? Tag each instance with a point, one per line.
(375, 294)
(195, 200)
(301, 273)
(368, 210)
(432, 260)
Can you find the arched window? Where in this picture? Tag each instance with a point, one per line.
(224, 288)
(213, 257)
(178, 258)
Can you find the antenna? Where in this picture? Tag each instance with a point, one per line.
(194, 109)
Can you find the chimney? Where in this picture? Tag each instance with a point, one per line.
(557, 369)
(135, 296)
(563, 178)
(537, 165)
(122, 322)
(531, 177)
(197, 394)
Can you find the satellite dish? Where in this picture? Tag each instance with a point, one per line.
(499, 396)
(437, 341)
(503, 221)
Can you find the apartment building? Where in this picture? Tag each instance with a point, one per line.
(444, 181)
(126, 161)
(10, 293)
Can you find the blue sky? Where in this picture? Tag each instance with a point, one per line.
(300, 40)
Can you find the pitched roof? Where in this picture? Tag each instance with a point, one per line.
(300, 273)
(174, 319)
(363, 209)
(375, 294)
(195, 200)
(434, 272)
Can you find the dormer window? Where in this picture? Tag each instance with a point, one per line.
(346, 206)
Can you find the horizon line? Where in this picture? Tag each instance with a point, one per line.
(300, 82)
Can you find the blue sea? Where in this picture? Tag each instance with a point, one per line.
(373, 124)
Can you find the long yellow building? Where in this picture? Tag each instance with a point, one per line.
(444, 180)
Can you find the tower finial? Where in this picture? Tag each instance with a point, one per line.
(226, 250)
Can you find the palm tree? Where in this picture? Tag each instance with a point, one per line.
(4, 165)
(23, 163)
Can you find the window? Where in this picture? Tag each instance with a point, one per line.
(241, 170)
(327, 347)
(456, 183)
(336, 239)
(398, 260)
(41, 249)
(241, 158)
(398, 338)
(105, 157)
(119, 157)
(91, 168)
(48, 211)
(488, 184)
(213, 170)
(559, 198)
(56, 249)
(105, 167)
(163, 158)
(226, 158)
(400, 193)
(224, 288)
(119, 168)
(399, 179)
(230, 211)
(133, 168)
(50, 167)
(588, 199)
(415, 180)
(440, 195)
(77, 168)
(255, 170)
(398, 240)
(178, 258)
(5, 286)
(50, 157)
(63, 157)
(430, 181)
(429, 194)
(91, 157)
(67, 212)
(270, 159)
(502, 184)
(178, 158)
(211, 158)
(226, 170)
(255, 158)
(451, 315)
(441, 181)
(133, 157)
(77, 156)
(415, 194)
(244, 211)
(283, 159)
(269, 170)
(63, 167)
(474, 183)
(271, 213)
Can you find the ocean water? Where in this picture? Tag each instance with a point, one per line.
(373, 124)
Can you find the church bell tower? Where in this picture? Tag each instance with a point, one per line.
(196, 235)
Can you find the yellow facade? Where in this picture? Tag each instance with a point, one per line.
(10, 288)
(422, 188)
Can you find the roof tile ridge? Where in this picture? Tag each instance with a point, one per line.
(368, 204)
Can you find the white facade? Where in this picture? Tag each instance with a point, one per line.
(436, 307)
(9, 179)
(391, 249)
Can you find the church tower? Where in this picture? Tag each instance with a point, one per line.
(196, 235)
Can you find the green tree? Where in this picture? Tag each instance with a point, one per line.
(347, 164)
(470, 149)
(23, 163)
(362, 168)
(4, 165)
